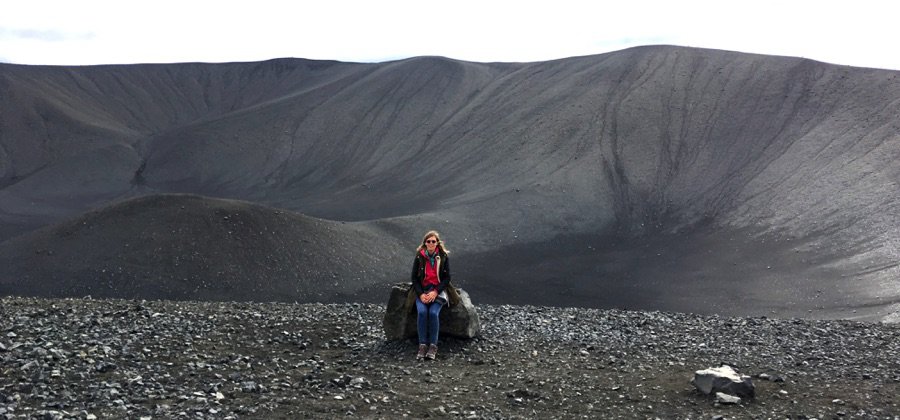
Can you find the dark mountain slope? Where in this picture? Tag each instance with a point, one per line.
(59, 126)
(566, 171)
(184, 246)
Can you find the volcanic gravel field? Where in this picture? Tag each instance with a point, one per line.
(84, 358)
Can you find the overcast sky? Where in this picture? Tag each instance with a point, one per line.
(67, 32)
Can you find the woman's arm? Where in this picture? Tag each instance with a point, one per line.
(416, 281)
(445, 273)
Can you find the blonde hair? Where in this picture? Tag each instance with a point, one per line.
(436, 235)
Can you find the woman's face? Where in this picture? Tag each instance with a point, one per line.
(430, 243)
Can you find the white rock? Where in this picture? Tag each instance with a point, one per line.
(724, 371)
(723, 398)
(723, 379)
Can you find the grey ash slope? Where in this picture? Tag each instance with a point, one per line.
(75, 137)
(184, 246)
(653, 177)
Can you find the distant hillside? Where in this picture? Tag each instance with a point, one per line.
(567, 172)
(191, 247)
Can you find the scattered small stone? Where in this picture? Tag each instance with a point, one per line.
(771, 377)
(106, 367)
(249, 386)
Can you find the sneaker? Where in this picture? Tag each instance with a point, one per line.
(421, 354)
(432, 352)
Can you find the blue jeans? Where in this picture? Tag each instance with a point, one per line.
(428, 321)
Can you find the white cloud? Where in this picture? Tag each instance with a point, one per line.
(42, 35)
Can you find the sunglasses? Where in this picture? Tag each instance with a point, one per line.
(431, 241)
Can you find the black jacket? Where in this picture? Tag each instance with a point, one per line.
(418, 272)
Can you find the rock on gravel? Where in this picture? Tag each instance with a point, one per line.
(459, 320)
(723, 379)
(257, 360)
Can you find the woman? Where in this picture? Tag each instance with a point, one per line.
(430, 276)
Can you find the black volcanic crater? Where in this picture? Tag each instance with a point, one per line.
(650, 178)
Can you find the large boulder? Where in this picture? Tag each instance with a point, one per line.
(723, 379)
(457, 320)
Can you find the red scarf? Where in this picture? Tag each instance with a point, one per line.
(431, 276)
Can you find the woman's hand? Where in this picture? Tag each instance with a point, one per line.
(428, 297)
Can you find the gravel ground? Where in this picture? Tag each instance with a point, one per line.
(82, 358)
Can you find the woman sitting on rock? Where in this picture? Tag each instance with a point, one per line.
(430, 276)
